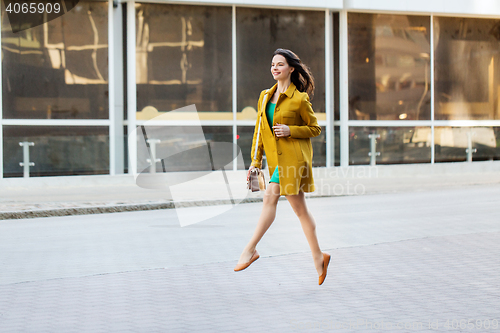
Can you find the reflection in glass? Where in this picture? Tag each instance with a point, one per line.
(58, 151)
(183, 58)
(395, 144)
(451, 143)
(319, 149)
(245, 137)
(186, 144)
(467, 68)
(58, 70)
(259, 33)
(389, 68)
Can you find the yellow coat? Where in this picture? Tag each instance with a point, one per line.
(293, 154)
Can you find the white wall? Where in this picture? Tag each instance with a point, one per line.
(467, 7)
(464, 7)
(312, 4)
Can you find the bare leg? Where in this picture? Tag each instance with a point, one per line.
(299, 206)
(266, 218)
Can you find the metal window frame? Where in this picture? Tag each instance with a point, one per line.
(131, 87)
(329, 90)
(111, 91)
(234, 85)
(344, 88)
(1, 113)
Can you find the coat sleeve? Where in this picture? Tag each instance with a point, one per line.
(311, 127)
(257, 160)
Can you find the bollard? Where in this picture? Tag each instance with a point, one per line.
(373, 147)
(152, 150)
(470, 150)
(26, 157)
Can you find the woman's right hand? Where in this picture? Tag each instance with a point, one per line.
(248, 173)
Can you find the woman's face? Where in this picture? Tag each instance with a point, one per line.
(280, 68)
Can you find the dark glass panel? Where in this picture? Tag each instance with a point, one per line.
(389, 68)
(467, 68)
(58, 151)
(396, 145)
(451, 143)
(183, 58)
(58, 70)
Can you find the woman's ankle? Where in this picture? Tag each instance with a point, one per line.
(249, 249)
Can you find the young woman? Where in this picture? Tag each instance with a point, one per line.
(287, 122)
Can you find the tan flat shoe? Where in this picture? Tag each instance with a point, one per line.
(326, 261)
(240, 267)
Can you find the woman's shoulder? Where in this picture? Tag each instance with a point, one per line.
(302, 96)
(263, 92)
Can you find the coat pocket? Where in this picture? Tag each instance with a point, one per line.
(288, 117)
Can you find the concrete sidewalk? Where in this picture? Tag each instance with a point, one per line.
(76, 195)
(420, 261)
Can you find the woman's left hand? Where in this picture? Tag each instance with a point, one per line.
(281, 130)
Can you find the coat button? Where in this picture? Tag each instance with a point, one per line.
(279, 152)
(277, 139)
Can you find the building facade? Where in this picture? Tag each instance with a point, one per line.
(396, 81)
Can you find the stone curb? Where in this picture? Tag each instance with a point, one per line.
(114, 208)
(37, 213)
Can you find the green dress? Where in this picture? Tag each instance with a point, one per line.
(275, 178)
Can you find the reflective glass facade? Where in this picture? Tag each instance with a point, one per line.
(394, 145)
(452, 143)
(57, 150)
(183, 57)
(389, 67)
(56, 83)
(467, 68)
(58, 70)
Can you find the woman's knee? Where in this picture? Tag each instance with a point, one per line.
(298, 205)
(272, 194)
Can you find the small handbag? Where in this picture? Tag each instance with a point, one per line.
(256, 179)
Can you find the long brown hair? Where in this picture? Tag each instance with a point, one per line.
(301, 77)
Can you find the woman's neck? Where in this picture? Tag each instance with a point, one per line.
(283, 85)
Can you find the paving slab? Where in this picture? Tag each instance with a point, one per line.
(417, 261)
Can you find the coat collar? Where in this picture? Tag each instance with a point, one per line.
(289, 92)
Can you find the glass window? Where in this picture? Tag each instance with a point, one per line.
(451, 143)
(184, 148)
(260, 32)
(245, 137)
(58, 151)
(389, 67)
(183, 58)
(395, 144)
(319, 148)
(58, 70)
(467, 68)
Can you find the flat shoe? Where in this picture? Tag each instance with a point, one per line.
(240, 267)
(326, 261)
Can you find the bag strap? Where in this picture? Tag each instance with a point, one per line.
(258, 130)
